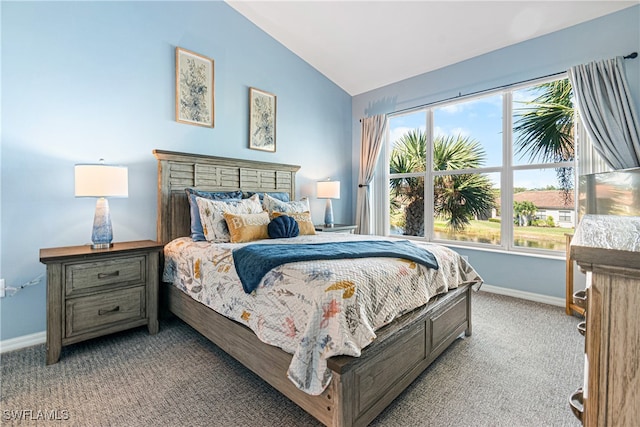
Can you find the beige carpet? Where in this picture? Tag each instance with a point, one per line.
(517, 369)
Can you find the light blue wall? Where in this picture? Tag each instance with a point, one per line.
(85, 80)
(609, 36)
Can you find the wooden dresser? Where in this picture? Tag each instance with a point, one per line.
(93, 292)
(607, 249)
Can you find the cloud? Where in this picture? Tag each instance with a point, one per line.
(524, 95)
(535, 178)
(464, 106)
(397, 132)
(439, 131)
(460, 131)
(452, 108)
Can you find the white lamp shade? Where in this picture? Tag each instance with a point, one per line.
(99, 180)
(328, 190)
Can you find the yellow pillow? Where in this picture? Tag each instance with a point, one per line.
(302, 218)
(247, 227)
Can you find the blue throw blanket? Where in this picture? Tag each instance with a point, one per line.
(254, 261)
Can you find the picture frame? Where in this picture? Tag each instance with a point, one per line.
(262, 120)
(194, 88)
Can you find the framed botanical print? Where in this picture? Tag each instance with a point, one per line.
(194, 88)
(262, 120)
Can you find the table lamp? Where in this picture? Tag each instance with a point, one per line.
(328, 190)
(101, 181)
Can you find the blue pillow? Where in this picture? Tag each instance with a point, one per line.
(282, 196)
(282, 227)
(197, 233)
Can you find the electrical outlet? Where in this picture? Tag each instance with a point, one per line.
(2, 288)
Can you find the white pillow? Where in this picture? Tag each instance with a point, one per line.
(274, 205)
(212, 215)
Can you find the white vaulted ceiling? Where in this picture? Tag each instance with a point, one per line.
(362, 45)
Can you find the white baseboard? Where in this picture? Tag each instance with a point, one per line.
(23, 341)
(545, 299)
(41, 337)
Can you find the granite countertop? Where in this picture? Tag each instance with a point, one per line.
(608, 240)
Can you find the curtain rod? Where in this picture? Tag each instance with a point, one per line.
(630, 56)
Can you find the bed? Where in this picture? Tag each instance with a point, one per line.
(360, 387)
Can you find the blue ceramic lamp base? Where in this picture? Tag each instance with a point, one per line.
(328, 214)
(102, 232)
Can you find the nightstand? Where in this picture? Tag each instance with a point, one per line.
(94, 292)
(337, 228)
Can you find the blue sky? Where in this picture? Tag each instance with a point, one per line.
(479, 119)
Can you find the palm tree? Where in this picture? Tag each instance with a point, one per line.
(544, 129)
(409, 155)
(456, 197)
(523, 212)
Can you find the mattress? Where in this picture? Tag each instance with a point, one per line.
(313, 309)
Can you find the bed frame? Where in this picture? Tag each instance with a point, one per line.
(361, 386)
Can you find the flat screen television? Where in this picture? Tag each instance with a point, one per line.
(610, 193)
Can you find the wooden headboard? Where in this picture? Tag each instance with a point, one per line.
(177, 171)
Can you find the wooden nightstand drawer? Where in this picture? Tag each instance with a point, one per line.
(94, 292)
(85, 314)
(107, 272)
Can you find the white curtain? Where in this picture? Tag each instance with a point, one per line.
(607, 111)
(372, 136)
(589, 161)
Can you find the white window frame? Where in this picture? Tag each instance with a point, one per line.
(506, 171)
(563, 214)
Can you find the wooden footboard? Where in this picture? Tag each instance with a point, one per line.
(361, 386)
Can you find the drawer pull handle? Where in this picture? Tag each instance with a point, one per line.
(582, 328)
(577, 403)
(107, 275)
(580, 299)
(113, 310)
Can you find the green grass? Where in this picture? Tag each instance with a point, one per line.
(552, 238)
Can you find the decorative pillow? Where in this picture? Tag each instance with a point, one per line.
(282, 196)
(273, 205)
(305, 225)
(212, 215)
(196, 224)
(247, 227)
(283, 226)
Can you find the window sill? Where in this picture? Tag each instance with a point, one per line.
(560, 256)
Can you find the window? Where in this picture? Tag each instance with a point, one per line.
(449, 166)
(565, 216)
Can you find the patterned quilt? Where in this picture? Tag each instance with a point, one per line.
(313, 309)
